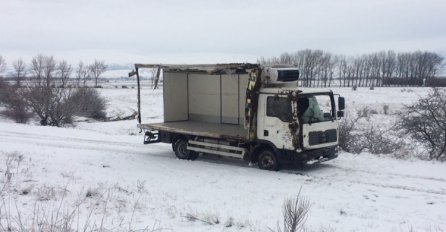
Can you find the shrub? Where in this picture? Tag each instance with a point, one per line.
(372, 111)
(436, 82)
(2, 83)
(45, 193)
(52, 105)
(3, 88)
(349, 140)
(354, 87)
(16, 107)
(88, 103)
(364, 112)
(386, 109)
(355, 139)
(207, 218)
(295, 213)
(425, 121)
(377, 141)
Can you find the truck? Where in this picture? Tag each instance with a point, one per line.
(248, 111)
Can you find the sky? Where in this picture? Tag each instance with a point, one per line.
(209, 31)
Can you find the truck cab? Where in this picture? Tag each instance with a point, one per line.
(301, 126)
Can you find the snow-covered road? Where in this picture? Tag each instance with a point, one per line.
(351, 193)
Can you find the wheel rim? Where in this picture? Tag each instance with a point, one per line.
(182, 150)
(267, 161)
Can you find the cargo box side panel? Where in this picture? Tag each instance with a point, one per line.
(204, 98)
(243, 84)
(175, 96)
(230, 99)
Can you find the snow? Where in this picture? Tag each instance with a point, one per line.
(139, 186)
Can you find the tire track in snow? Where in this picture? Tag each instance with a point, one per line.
(77, 143)
(65, 138)
(382, 185)
(390, 173)
(401, 187)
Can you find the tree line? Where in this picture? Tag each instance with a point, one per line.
(386, 68)
(60, 72)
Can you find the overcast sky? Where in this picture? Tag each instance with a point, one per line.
(208, 31)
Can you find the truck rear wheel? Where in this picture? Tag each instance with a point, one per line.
(180, 149)
(267, 160)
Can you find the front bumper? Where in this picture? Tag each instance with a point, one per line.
(313, 156)
(318, 154)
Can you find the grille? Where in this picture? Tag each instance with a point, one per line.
(320, 137)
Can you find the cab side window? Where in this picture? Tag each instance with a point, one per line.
(279, 107)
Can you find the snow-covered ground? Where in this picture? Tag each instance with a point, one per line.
(103, 173)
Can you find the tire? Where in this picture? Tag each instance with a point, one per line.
(267, 160)
(194, 155)
(181, 152)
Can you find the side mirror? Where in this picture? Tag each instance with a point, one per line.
(341, 103)
(340, 114)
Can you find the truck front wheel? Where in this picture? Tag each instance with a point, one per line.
(180, 149)
(267, 160)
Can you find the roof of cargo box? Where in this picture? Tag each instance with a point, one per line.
(206, 68)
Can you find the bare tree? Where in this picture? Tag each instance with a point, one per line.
(40, 93)
(37, 68)
(342, 69)
(20, 71)
(157, 78)
(64, 71)
(97, 69)
(49, 71)
(153, 73)
(43, 69)
(2, 64)
(326, 69)
(389, 67)
(82, 74)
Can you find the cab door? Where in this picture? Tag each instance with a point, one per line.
(274, 117)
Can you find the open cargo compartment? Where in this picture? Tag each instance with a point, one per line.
(203, 104)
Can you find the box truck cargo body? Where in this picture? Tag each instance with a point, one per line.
(244, 111)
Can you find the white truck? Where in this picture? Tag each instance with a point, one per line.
(245, 111)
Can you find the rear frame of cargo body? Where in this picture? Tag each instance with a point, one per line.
(204, 129)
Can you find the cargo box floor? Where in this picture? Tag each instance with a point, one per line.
(212, 130)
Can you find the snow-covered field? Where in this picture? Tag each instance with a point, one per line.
(100, 175)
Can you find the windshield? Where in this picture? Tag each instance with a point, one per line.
(314, 108)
